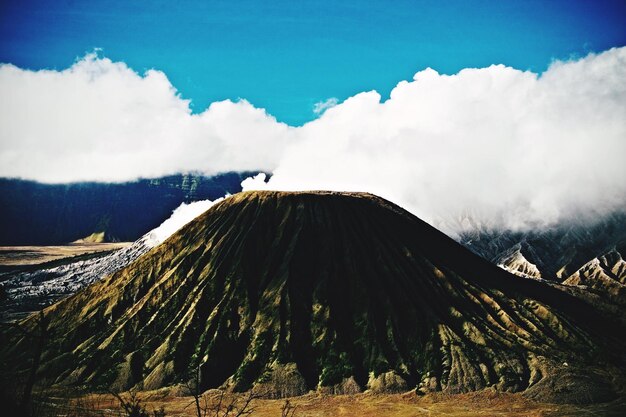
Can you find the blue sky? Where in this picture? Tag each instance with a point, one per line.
(285, 56)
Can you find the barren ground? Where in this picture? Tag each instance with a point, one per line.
(35, 255)
(485, 403)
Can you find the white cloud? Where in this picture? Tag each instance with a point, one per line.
(257, 182)
(506, 147)
(99, 120)
(511, 148)
(321, 106)
(182, 215)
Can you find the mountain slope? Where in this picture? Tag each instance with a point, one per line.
(28, 291)
(32, 289)
(294, 291)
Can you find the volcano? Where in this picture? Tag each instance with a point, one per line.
(338, 292)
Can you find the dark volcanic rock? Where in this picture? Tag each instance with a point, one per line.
(299, 291)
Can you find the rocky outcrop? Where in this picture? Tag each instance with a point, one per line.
(387, 383)
(606, 274)
(514, 262)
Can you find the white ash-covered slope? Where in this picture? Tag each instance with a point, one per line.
(32, 290)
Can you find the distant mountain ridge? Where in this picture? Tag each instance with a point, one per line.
(33, 213)
(552, 253)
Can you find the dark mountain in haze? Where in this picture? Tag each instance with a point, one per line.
(332, 291)
(32, 213)
(552, 253)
